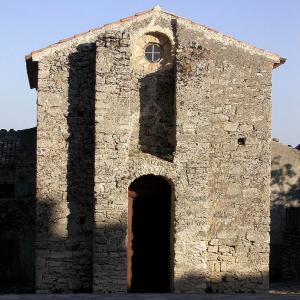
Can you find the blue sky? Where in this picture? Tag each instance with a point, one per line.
(29, 25)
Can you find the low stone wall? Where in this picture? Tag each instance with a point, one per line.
(17, 210)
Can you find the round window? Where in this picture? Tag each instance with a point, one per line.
(154, 52)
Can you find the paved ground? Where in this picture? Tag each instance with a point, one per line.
(152, 297)
(278, 291)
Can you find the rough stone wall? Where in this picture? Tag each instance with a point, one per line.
(120, 158)
(285, 214)
(17, 206)
(111, 154)
(239, 170)
(65, 170)
(191, 163)
(213, 149)
(231, 97)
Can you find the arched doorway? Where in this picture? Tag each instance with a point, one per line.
(149, 235)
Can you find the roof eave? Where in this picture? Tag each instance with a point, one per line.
(282, 60)
(32, 72)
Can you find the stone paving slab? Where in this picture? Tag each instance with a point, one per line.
(150, 297)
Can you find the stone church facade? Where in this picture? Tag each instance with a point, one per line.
(153, 159)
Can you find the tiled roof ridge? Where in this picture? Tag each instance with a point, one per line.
(142, 13)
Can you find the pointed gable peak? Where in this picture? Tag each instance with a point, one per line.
(156, 8)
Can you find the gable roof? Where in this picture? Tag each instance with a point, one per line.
(34, 55)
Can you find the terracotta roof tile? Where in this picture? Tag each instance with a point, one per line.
(128, 18)
(141, 13)
(94, 29)
(65, 40)
(79, 34)
(110, 24)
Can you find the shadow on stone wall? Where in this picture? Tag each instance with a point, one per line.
(228, 283)
(157, 133)
(285, 222)
(17, 212)
(157, 91)
(17, 255)
(114, 235)
(80, 168)
(110, 272)
(288, 192)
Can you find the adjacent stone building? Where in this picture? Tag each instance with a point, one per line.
(285, 214)
(17, 210)
(153, 159)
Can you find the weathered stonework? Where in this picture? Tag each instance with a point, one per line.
(239, 172)
(65, 170)
(201, 120)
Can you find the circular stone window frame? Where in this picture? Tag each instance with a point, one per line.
(139, 43)
(153, 52)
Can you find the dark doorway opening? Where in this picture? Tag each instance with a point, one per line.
(149, 235)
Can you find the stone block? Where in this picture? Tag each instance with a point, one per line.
(231, 126)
